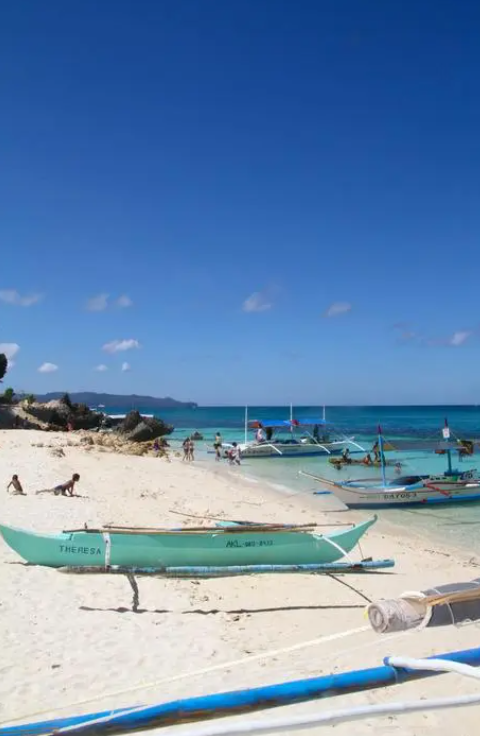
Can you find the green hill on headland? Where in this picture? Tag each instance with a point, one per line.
(90, 398)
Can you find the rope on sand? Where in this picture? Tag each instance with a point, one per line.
(344, 715)
(185, 675)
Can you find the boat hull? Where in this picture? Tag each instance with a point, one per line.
(290, 449)
(222, 547)
(442, 492)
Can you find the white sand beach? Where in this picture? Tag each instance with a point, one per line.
(71, 644)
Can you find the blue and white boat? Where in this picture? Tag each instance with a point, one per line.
(293, 438)
(452, 486)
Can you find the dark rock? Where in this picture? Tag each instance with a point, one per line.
(196, 436)
(60, 414)
(132, 419)
(7, 418)
(136, 428)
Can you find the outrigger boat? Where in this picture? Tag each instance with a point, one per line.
(160, 549)
(279, 438)
(452, 486)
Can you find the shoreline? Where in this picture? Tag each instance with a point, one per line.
(393, 527)
(71, 639)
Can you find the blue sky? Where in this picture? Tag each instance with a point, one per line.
(252, 201)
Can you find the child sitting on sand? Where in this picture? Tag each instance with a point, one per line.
(17, 486)
(65, 489)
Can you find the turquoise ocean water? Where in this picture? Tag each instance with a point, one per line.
(413, 430)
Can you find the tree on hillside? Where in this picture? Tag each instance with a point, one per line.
(8, 395)
(3, 365)
(67, 401)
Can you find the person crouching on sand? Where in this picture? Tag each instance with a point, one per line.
(65, 489)
(17, 486)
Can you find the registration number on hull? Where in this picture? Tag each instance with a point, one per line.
(396, 496)
(262, 543)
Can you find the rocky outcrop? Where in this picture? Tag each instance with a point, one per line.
(61, 413)
(54, 412)
(136, 428)
(7, 418)
(14, 417)
(113, 442)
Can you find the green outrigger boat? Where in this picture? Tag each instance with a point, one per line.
(229, 546)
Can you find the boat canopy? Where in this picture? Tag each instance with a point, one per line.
(282, 423)
(310, 422)
(271, 423)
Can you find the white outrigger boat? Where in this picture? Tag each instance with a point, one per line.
(278, 438)
(452, 486)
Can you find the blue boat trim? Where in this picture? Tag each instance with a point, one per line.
(426, 502)
(454, 499)
(238, 701)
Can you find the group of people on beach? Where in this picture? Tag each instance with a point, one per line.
(232, 454)
(188, 449)
(63, 489)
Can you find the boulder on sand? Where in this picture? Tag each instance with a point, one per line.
(136, 428)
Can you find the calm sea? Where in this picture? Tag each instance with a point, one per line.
(414, 431)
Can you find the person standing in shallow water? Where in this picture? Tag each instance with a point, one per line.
(217, 446)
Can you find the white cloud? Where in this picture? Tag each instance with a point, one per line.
(118, 346)
(101, 368)
(10, 349)
(11, 296)
(458, 338)
(337, 308)
(97, 303)
(48, 368)
(256, 302)
(126, 367)
(124, 301)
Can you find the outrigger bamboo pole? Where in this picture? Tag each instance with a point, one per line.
(235, 702)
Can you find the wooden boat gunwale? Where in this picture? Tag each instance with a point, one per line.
(152, 531)
(212, 546)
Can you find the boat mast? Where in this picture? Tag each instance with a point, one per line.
(382, 456)
(323, 415)
(246, 424)
(446, 437)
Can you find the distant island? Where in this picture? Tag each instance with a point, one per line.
(133, 401)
